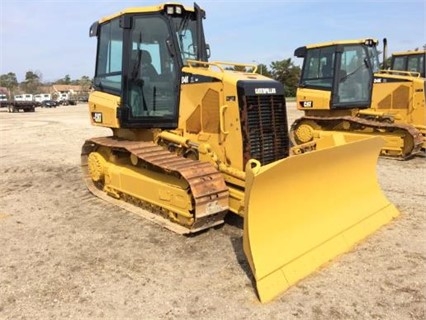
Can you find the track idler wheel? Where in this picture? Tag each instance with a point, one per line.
(304, 132)
(96, 165)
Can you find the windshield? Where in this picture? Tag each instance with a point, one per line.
(355, 76)
(187, 35)
(416, 63)
(152, 73)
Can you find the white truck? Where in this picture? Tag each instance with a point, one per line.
(66, 98)
(40, 97)
(24, 97)
(24, 102)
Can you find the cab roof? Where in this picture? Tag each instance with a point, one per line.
(145, 9)
(341, 42)
(406, 53)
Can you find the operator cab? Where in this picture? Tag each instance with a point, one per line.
(139, 58)
(343, 69)
(413, 61)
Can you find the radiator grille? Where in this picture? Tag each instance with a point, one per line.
(264, 128)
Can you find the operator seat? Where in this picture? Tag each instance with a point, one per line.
(326, 71)
(143, 75)
(147, 69)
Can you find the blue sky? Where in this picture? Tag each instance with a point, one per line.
(51, 37)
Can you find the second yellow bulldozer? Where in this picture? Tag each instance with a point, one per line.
(192, 141)
(342, 89)
(413, 62)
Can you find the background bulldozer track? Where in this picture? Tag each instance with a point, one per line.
(66, 254)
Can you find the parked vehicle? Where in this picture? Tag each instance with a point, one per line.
(49, 104)
(22, 102)
(63, 97)
(192, 141)
(40, 97)
(24, 97)
(3, 100)
(342, 90)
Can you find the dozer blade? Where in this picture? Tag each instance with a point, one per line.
(305, 210)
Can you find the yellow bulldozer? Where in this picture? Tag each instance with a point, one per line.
(413, 62)
(192, 140)
(342, 89)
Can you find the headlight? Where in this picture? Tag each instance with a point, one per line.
(170, 10)
(370, 42)
(174, 10)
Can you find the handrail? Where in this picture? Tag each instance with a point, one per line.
(219, 64)
(401, 73)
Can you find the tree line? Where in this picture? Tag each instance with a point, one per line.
(284, 71)
(33, 82)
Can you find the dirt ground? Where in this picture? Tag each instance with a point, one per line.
(66, 254)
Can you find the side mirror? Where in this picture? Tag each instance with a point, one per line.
(94, 29)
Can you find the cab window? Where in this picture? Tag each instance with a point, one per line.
(108, 73)
(355, 78)
(152, 86)
(319, 68)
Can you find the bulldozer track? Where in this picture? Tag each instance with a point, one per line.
(207, 187)
(355, 122)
